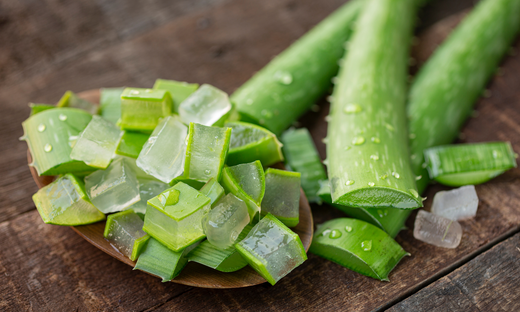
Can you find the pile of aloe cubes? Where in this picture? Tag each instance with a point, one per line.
(175, 176)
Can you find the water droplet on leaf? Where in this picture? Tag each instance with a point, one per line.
(47, 147)
(349, 182)
(358, 140)
(375, 140)
(41, 128)
(396, 175)
(366, 245)
(335, 234)
(371, 184)
(352, 109)
(348, 229)
(374, 157)
(62, 117)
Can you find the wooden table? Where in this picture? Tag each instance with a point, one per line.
(49, 47)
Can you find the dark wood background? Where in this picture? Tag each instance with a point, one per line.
(50, 46)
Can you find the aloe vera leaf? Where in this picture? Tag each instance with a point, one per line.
(141, 109)
(47, 135)
(206, 152)
(124, 231)
(448, 85)
(302, 156)
(367, 147)
(469, 164)
(213, 190)
(282, 196)
(70, 99)
(250, 142)
(292, 82)
(131, 143)
(64, 202)
(37, 108)
(179, 90)
(110, 103)
(359, 246)
(223, 260)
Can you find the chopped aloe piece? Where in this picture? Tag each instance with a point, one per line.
(225, 221)
(206, 152)
(110, 103)
(247, 182)
(160, 261)
(207, 106)
(466, 164)
(272, 249)
(163, 154)
(131, 143)
(359, 246)
(47, 136)
(113, 189)
(302, 156)
(457, 204)
(70, 99)
(250, 142)
(124, 231)
(179, 91)
(213, 190)
(97, 143)
(436, 230)
(64, 202)
(223, 260)
(282, 196)
(177, 224)
(37, 108)
(148, 189)
(139, 173)
(141, 109)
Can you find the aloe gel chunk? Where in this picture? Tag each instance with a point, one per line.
(179, 90)
(272, 249)
(213, 190)
(457, 204)
(282, 196)
(110, 103)
(163, 154)
(97, 143)
(148, 189)
(124, 231)
(225, 221)
(436, 230)
(113, 189)
(206, 106)
(64, 202)
(70, 99)
(174, 217)
(141, 109)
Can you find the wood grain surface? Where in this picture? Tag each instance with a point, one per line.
(50, 268)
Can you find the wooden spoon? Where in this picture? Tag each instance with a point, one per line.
(194, 274)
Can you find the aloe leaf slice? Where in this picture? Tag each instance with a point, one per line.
(70, 99)
(131, 143)
(110, 103)
(37, 108)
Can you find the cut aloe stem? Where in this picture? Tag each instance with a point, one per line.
(124, 231)
(213, 190)
(223, 260)
(390, 220)
(179, 90)
(64, 202)
(359, 246)
(160, 261)
(131, 143)
(206, 152)
(47, 135)
(367, 147)
(449, 84)
(291, 83)
(250, 142)
(302, 156)
(141, 109)
(110, 103)
(37, 108)
(466, 164)
(272, 249)
(282, 196)
(70, 99)
(207, 106)
(247, 182)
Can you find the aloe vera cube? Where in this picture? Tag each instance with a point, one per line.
(272, 249)
(436, 230)
(457, 204)
(110, 103)
(131, 143)
(97, 143)
(179, 90)
(213, 190)
(124, 231)
(225, 221)
(113, 189)
(206, 152)
(160, 261)
(148, 189)
(247, 182)
(64, 202)
(70, 99)
(163, 154)
(282, 196)
(37, 108)
(176, 220)
(206, 106)
(141, 109)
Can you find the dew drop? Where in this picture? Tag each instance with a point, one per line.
(374, 157)
(352, 109)
(349, 182)
(347, 148)
(358, 140)
(283, 77)
(348, 229)
(207, 172)
(375, 140)
(371, 184)
(326, 232)
(396, 175)
(366, 245)
(335, 234)
(417, 178)
(389, 127)
(414, 193)
(47, 147)
(41, 128)
(62, 117)
(496, 154)
(383, 177)
(134, 92)
(380, 213)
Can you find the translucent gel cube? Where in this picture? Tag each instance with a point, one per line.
(123, 230)
(148, 189)
(223, 224)
(436, 230)
(282, 195)
(213, 190)
(272, 249)
(97, 143)
(456, 204)
(249, 178)
(205, 106)
(113, 189)
(163, 154)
